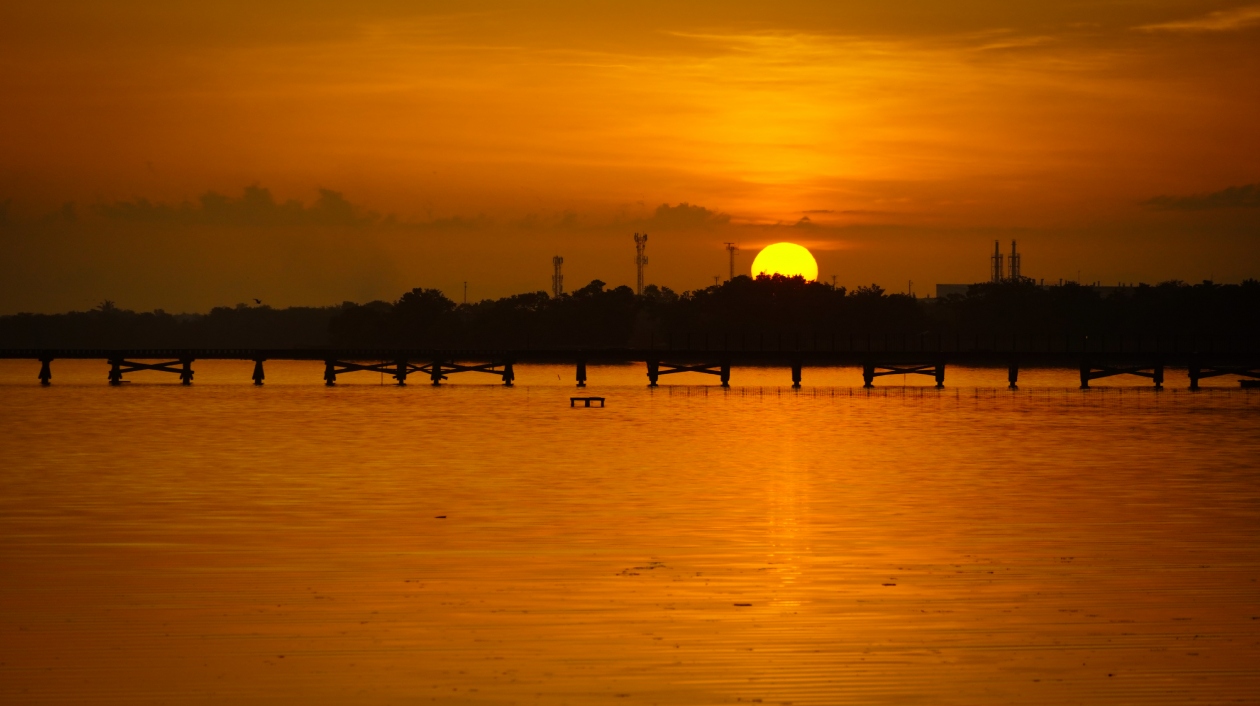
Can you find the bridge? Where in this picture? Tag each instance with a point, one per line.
(877, 356)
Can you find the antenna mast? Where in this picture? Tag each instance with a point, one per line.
(640, 260)
(1014, 262)
(998, 274)
(557, 279)
(732, 248)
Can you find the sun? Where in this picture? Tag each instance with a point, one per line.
(787, 259)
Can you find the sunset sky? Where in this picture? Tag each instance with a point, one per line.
(168, 156)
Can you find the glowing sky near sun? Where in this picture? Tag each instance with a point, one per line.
(896, 143)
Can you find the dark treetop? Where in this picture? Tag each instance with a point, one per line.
(596, 317)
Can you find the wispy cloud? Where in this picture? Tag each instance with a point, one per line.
(1219, 21)
(685, 216)
(1246, 196)
(256, 207)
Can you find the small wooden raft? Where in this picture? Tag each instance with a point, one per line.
(588, 400)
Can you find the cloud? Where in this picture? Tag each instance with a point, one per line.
(1246, 196)
(255, 207)
(1219, 21)
(684, 216)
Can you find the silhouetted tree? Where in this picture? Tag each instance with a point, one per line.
(766, 311)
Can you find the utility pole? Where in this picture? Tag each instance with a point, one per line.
(732, 248)
(640, 260)
(557, 279)
(465, 291)
(833, 281)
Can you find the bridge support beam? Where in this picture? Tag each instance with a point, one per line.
(120, 366)
(45, 371)
(258, 372)
(1089, 372)
(1012, 374)
(438, 370)
(1198, 371)
(398, 369)
(655, 369)
(581, 372)
(796, 375)
(871, 370)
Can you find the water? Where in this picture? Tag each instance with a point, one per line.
(230, 544)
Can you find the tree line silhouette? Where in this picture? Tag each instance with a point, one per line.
(742, 309)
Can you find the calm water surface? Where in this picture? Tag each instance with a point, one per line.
(368, 544)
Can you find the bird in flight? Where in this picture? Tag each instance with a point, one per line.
(257, 300)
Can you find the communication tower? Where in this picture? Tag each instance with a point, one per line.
(640, 260)
(732, 248)
(998, 271)
(557, 279)
(1014, 263)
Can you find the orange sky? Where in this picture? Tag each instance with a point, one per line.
(474, 140)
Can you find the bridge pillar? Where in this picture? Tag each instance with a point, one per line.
(1012, 374)
(725, 375)
(186, 371)
(115, 372)
(330, 373)
(1194, 372)
(400, 372)
(1157, 375)
(581, 372)
(258, 372)
(796, 375)
(45, 371)
(509, 374)
(868, 375)
(436, 374)
(1085, 368)
(940, 375)
(653, 372)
